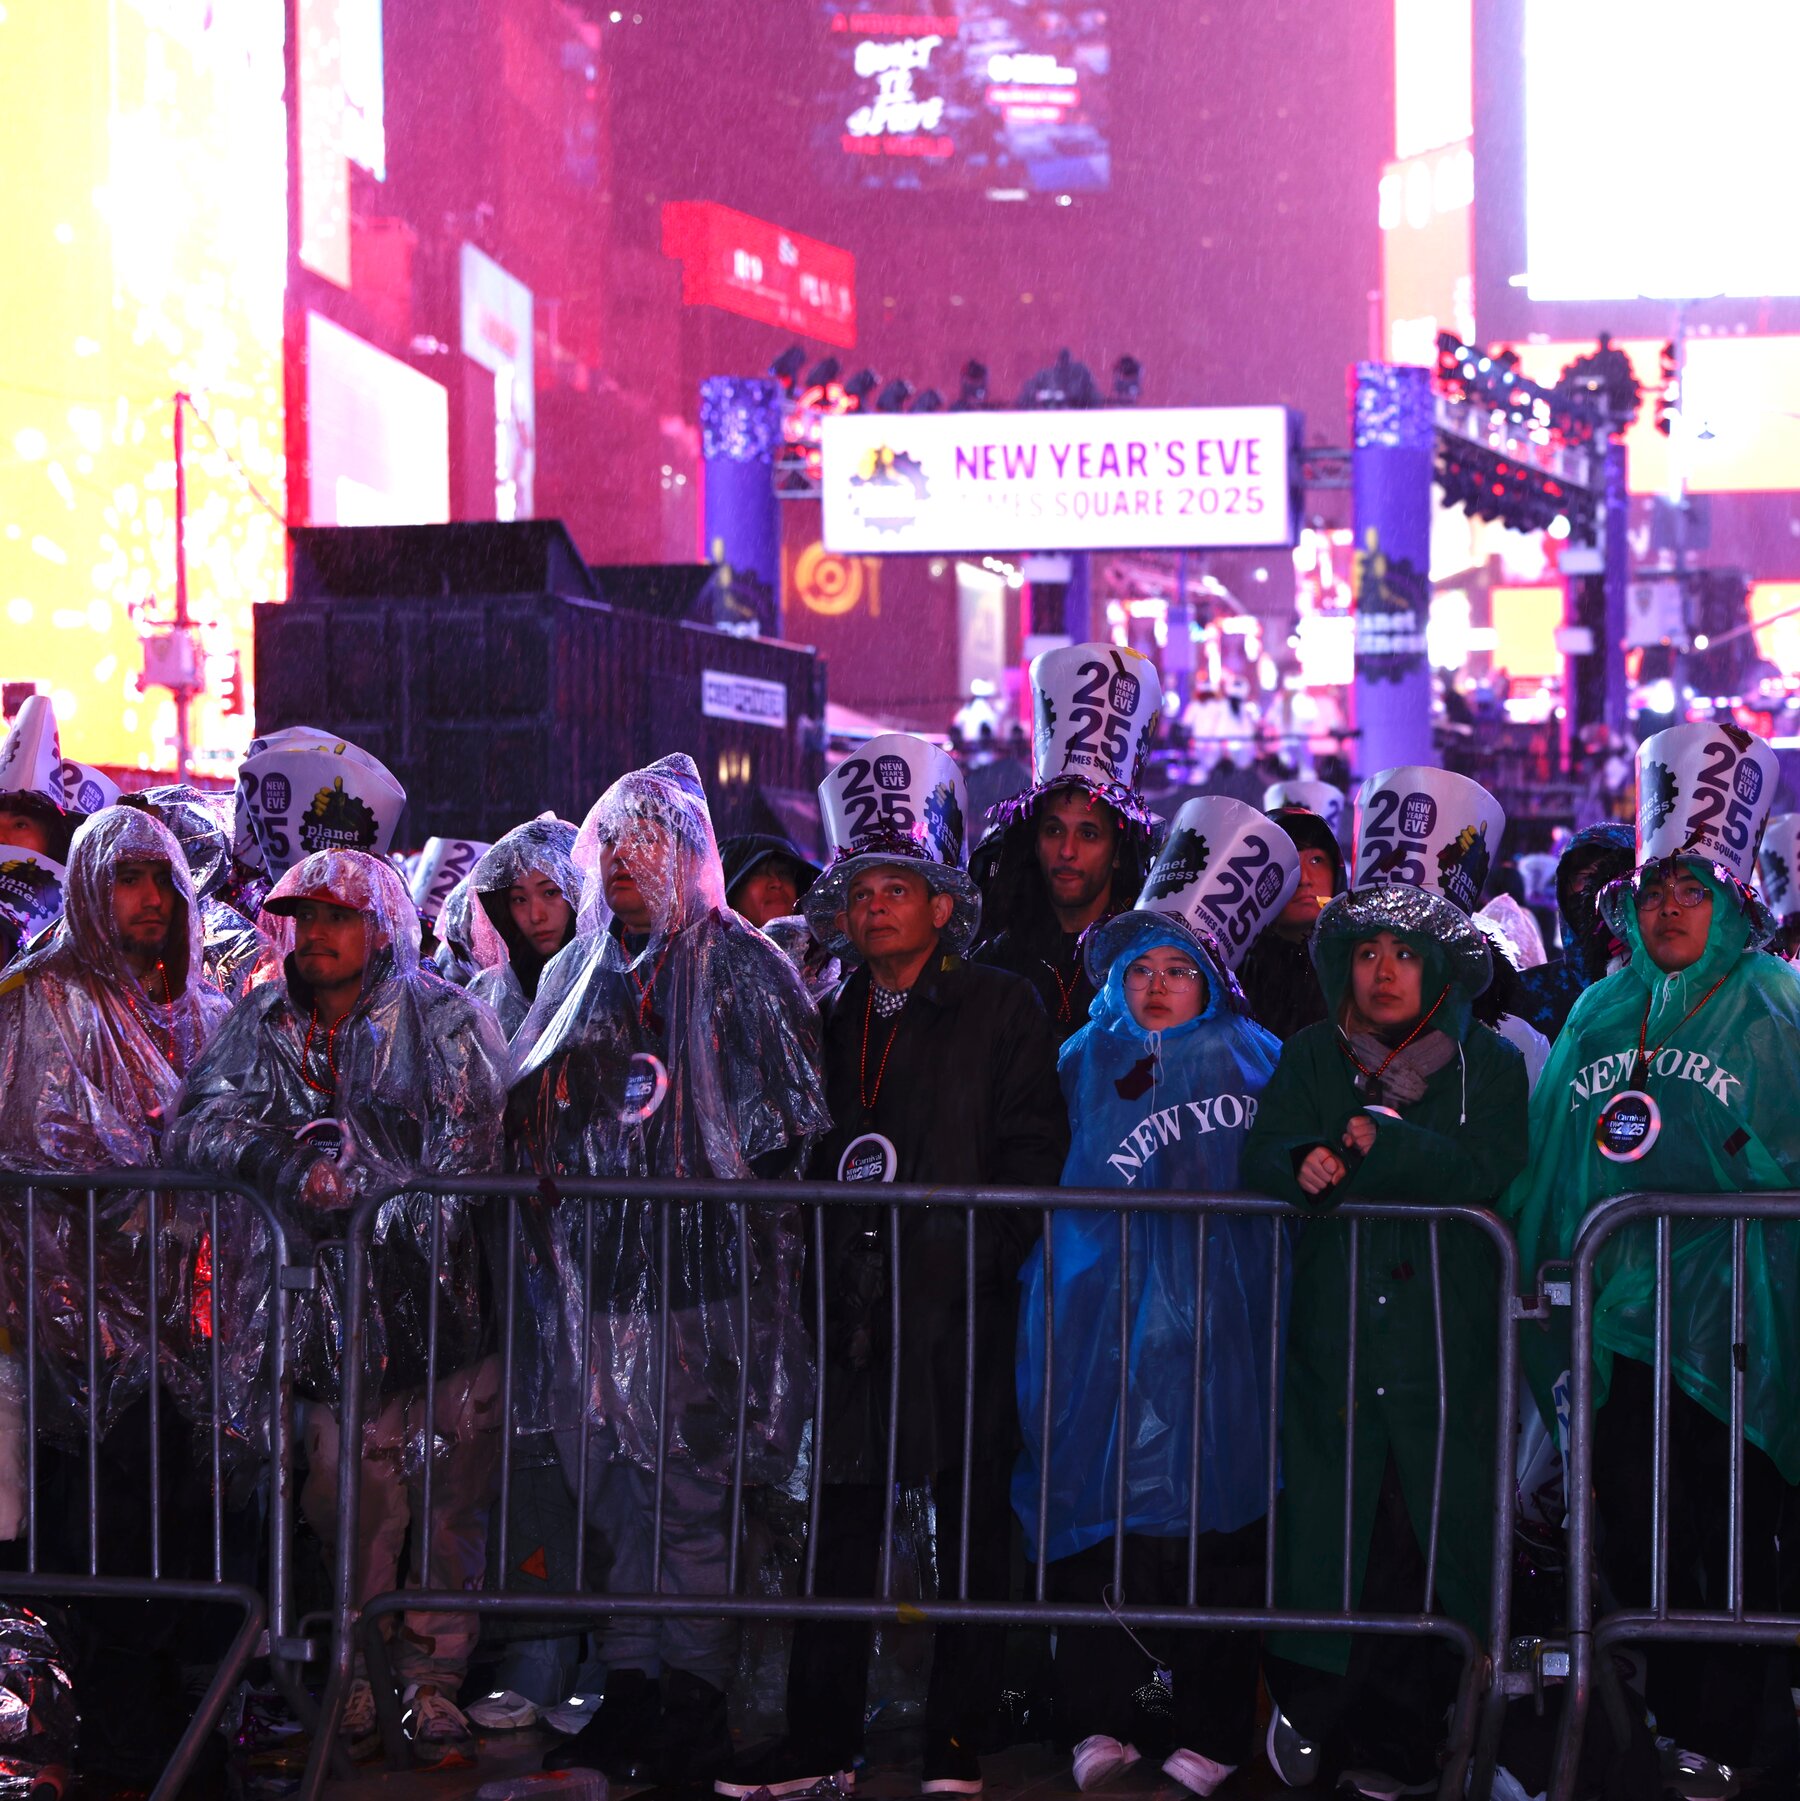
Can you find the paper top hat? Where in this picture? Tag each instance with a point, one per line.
(1429, 829)
(31, 758)
(86, 789)
(1316, 797)
(897, 800)
(31, 891)
(1705, 791)
(307, 791)
(1778, 866)
(438, 868)
(1226, 869)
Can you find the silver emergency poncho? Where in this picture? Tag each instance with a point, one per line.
(413, 1076)
(90, 1063)
(728, 1016)
(545, 847)
(232, 945)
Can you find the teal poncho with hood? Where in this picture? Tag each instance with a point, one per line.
(1723, 1079)
(1159, 1111)
(1460, 1143)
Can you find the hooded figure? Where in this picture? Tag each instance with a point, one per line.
(1595, 856)
(1156, 1107)
(528, 890)
(96, 1031)
(466, 940)
(1278, 974)
(325, 1084)
(670, 1039)
(231, 943)
(1397, 1096)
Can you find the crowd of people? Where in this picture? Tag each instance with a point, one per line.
(1088, 998)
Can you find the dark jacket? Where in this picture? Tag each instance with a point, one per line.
(1052, 963)
(969, 1095)
(1281, 984)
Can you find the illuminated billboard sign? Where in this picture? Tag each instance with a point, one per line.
(975, 93)
(497, 334)
(1147, 478)
(761, 271)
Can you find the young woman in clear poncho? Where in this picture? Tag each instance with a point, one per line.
(662, 969)
(1162, 1085)
(527, 891)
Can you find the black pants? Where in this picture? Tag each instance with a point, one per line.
(1387, 1711)
(828, 1675)
(1729, 1701)
(1099, 1670)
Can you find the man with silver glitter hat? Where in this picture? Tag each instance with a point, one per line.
(936, 1071)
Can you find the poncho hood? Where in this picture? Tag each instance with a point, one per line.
(1451, 969)
(543, 847)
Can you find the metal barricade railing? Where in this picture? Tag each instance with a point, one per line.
(1592, 1633)
(1481, 1692)
(78, 1199)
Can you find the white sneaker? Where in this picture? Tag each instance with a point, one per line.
(505, 1710)
(436, 1727)
(1197, 1774)
(358, 1721)
(568, 1717)
(1098, 1759)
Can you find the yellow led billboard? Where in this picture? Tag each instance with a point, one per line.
(143, 163)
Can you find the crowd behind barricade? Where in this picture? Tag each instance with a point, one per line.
(1222, 1002)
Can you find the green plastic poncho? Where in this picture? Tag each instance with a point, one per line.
(1724, 1082)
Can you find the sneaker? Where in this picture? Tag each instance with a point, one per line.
(951, 1769)
(435, 1726)
(615, 1738)
(358, 1726)
(785, 1770)
(505, 1710)
(1098, 1759)
(568, 1717)
(1295, 1760)
(1196, 1772)
(1694, 1776)
(1377, 1785)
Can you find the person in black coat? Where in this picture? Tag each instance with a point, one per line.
(1278, 976)
(936, 1071)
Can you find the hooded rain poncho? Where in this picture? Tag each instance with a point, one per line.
(1722, 1078)
(90, 1062)
(729, 1018)
(1157, 1111)
(538, 847)
(232, 945)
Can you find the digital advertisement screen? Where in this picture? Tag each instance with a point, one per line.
(1682, 188)
(985, 96)
(143, 156)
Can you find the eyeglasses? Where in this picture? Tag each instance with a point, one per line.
(1686, 895)
(1141, 975)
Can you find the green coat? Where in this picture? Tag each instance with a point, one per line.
(1434, 1155)
(1724, 1080)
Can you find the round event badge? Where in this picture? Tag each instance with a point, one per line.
(333, 1138)
(870, 1158)
(1627, 1127)
(645, 1088)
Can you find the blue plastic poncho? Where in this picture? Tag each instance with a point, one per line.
(1152, 1111)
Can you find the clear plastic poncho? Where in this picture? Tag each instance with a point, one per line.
(467, 942)
(231, 943)
(413, 1077)
(729, 1018)
(1157, 1111)
(545, 847)
(1722, 1080)
(90, 1062)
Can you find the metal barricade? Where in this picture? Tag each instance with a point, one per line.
(73, 1203)
(1592, 1634)
(1481, 1693)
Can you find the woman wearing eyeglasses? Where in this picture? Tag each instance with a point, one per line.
(1162, 1084)
(1677, 1074)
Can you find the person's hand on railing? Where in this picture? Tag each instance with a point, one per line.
(1359, 1135)
(324, 1187)
(1320, 1170)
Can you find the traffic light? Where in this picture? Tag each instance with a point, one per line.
(232, 693)
(1668, 367)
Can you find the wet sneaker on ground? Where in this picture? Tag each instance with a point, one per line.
(435, 1728)
(616, 1737)
(1196, 1772)
(357, 1726)
(505, 1710)
(1295, 1760)
(951, 1768)
(786, 1770)
(1377, 1785)
(568, 1717)
(1098, 1759)
(1694, 1776)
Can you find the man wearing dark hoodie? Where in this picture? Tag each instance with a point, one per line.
(1278, 975)
(1595, 856)
(529, 888)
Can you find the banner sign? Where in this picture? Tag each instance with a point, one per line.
(745, 698)
(761, 271)
(1140, 478)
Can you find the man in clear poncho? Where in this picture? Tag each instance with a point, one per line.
(231, 944)
(96, 1030)
(663, 970)
(527, 889)
(1705, 1025)
(1161, 1084)
(352, 1065)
